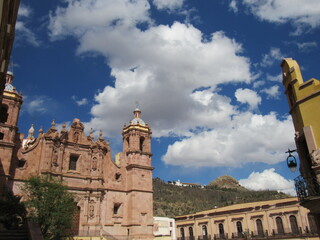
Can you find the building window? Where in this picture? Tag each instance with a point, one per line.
(116, 208)
(239, 227)
(73, 162)
(94, 163)
(141, 143)
(204, 230)
(117, 176)
(259, 227)
(182, 233)
(221, 229)
(190, 231)
(312, 223)
(279, 225)
(4, 114)
(1, 135)
(294, 224)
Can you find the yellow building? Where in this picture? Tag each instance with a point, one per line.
(274, 219)
(304, 103)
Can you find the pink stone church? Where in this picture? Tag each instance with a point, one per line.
(114, 197)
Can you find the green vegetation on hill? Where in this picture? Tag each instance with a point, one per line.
(171, 200)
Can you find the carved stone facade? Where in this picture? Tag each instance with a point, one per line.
(113, 198)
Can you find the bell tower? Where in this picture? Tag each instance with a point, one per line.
(10, 108)
(137, 152)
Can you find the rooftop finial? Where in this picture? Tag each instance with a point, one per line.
(64, 127)
(100, 135)
(91, 134)
(31, 132)
(53, 124)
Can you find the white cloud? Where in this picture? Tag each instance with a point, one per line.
(274, 78)
(168, 4)
(307, 46)
(272, 92)
(37, 104)
(258, 84)
(302, 15)
(248, 96)
(80, 102)
(270, 58)
(268, 180)
(23, 32)
(233, 6)
(244, 139)
(171, 64)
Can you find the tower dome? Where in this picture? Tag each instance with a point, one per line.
(137, 119)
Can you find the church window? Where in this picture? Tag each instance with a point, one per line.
(294, 224)
(117, 176)
(4, 114)
(141, 143)
(116, 208)
(21, 163)
(279, 225)
(73, 162)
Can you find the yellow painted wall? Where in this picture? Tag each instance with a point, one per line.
(306, 110)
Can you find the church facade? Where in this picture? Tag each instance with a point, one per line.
(114, 198)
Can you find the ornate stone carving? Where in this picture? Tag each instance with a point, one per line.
(315, 157)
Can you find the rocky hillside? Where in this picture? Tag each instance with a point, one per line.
(171, 200)
(227, 182)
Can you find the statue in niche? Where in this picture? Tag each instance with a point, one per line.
(94, 164)
(55, 158)
(315, 157)
(76, 137)
(91, 210)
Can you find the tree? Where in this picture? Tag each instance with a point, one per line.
(51, 205)
(12, 210)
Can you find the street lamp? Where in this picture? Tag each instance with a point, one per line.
(291, 161)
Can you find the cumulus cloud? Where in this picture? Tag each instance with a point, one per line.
(272, 57)
(272, 92)
(248, 96)
(244, 139)
(268, 180)
(168, 4)
(302, 15)
(23, 32)
(173, 71)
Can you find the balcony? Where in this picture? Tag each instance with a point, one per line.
(253, 235)
(307, 188)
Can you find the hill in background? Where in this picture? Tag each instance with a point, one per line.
(171, 200)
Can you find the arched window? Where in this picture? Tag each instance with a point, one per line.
(204, 232)
(128, 142)
(294, 224)
(4, 114)
(141, 143)
(279, 225)
(221, 229)
(259, 227)
(182, 233)
(312, 223)
(239, 227)
(190, 232)
(1, 135)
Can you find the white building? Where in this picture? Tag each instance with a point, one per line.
(164, 228)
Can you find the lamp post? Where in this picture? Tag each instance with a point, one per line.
(291, 160)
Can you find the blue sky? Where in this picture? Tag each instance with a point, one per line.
(206, 75)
